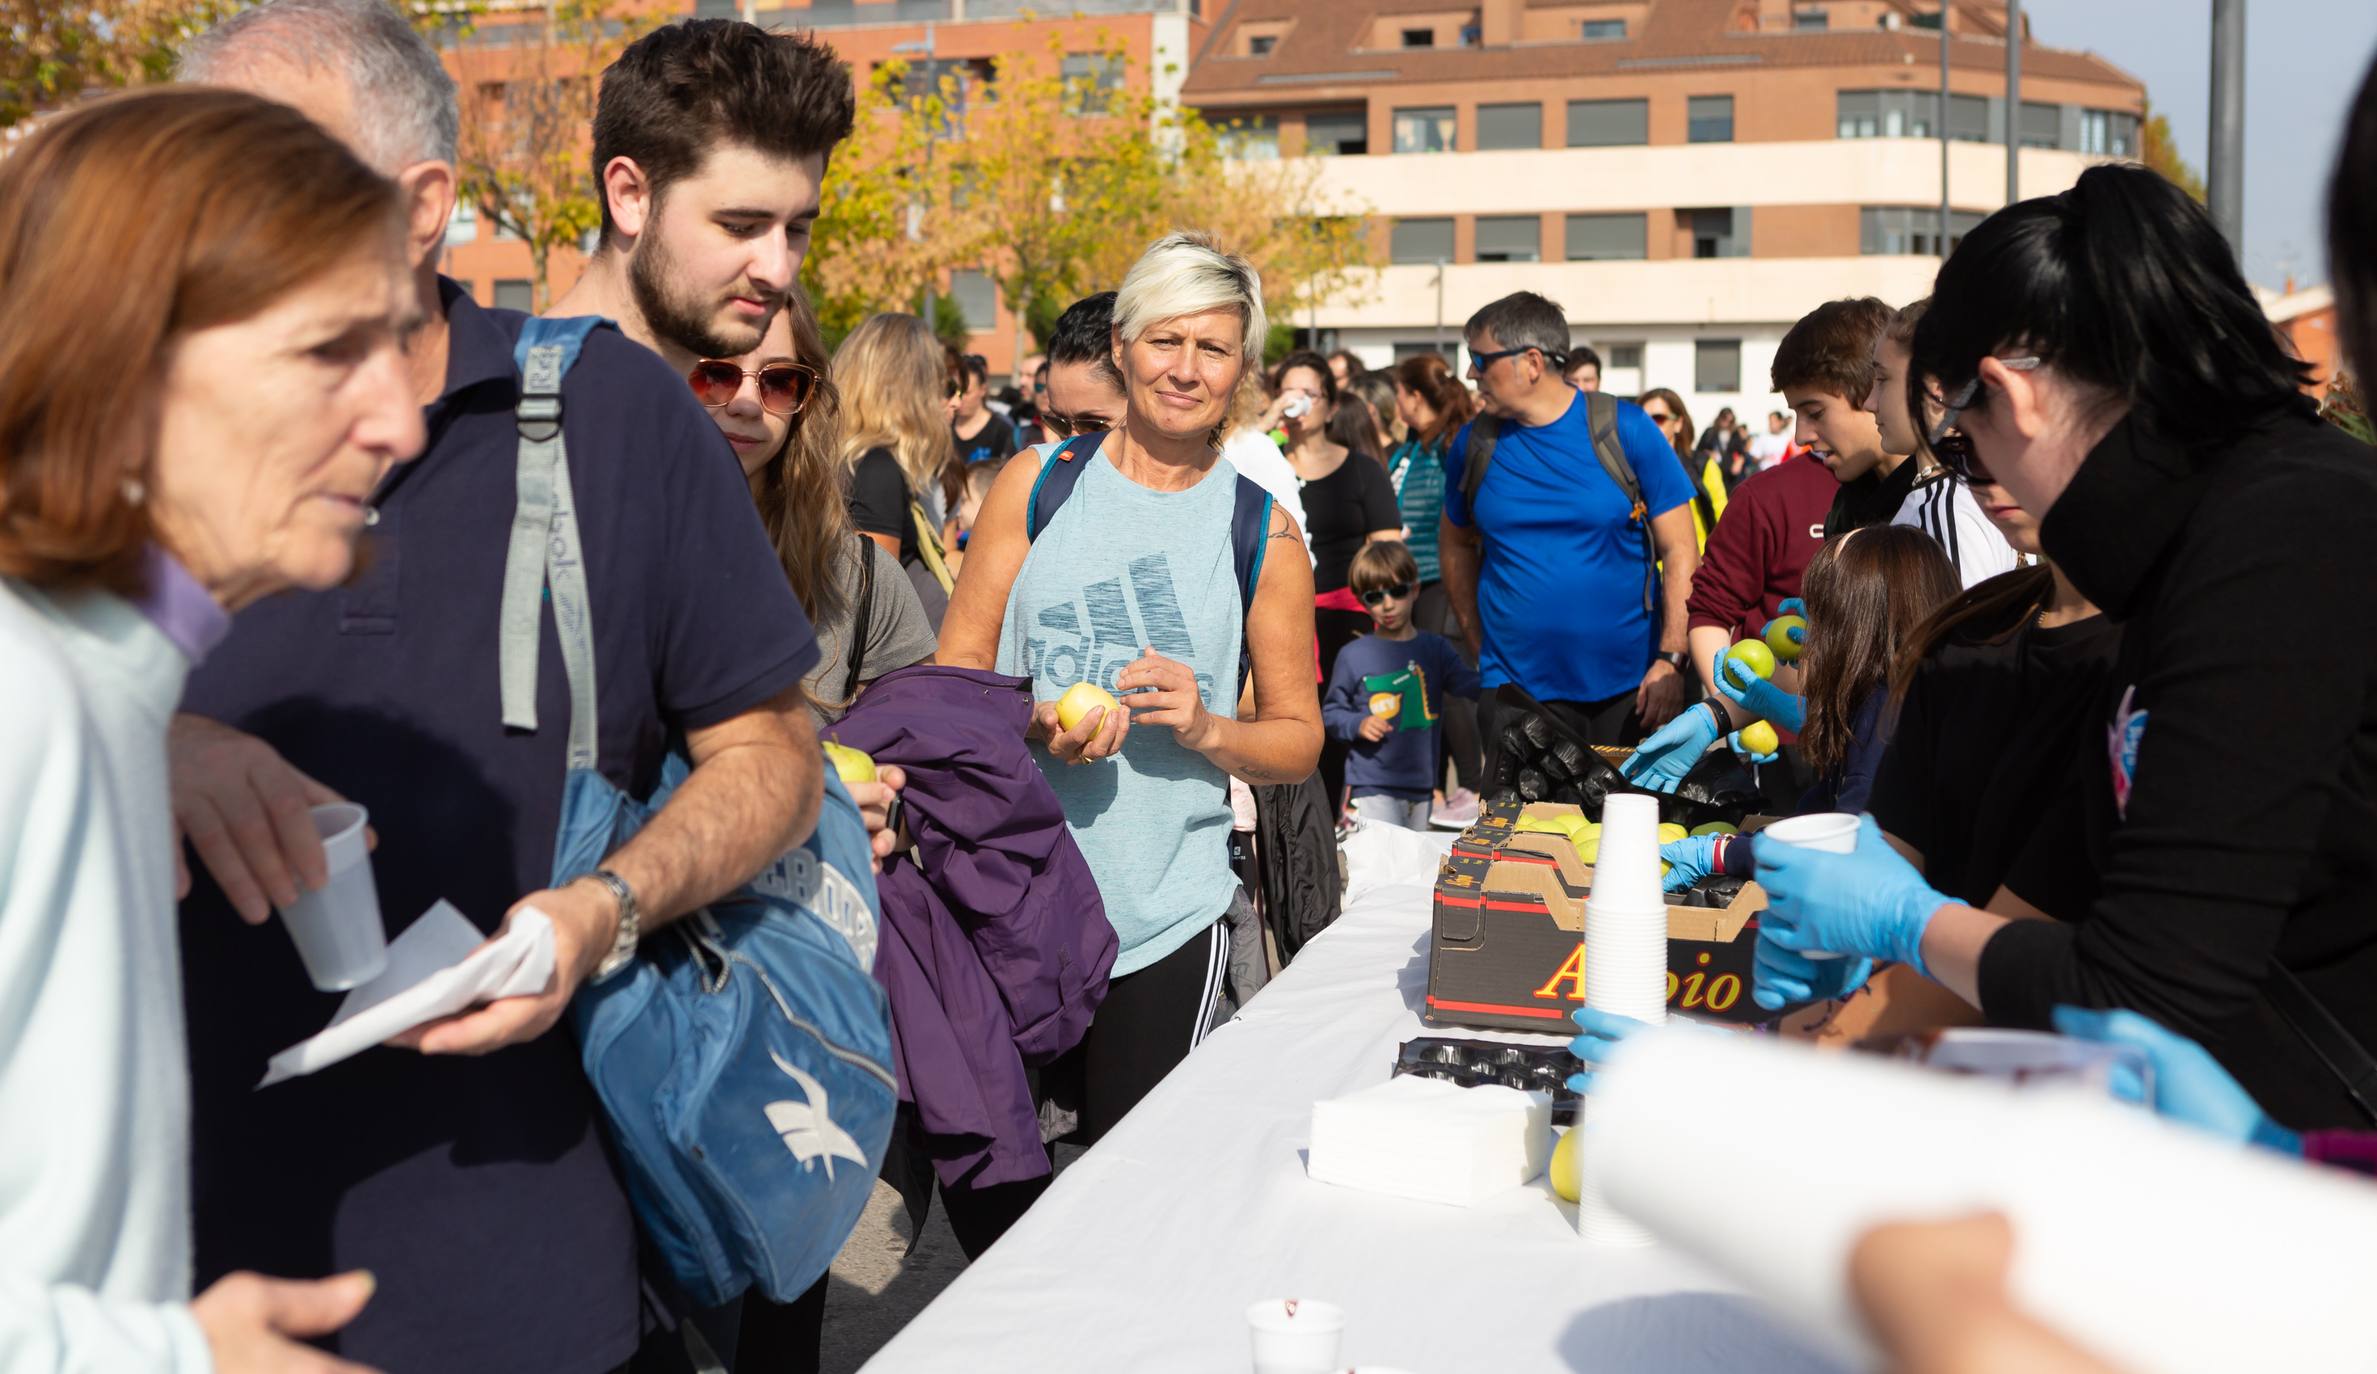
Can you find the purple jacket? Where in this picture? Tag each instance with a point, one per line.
(995, 947)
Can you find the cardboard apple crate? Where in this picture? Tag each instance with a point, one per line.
(1507, 946)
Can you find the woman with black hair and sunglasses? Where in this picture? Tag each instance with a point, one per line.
(2113, 372)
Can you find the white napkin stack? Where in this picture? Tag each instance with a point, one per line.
(439, 966)
(1428, 1139)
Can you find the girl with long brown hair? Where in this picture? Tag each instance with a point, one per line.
(1433, 405)
(782, 413)
(897, 385)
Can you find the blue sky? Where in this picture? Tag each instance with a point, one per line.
(2303, 61)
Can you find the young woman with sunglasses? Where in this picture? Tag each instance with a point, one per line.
(1709, 488)
(2112, 370)
(898, 390)
(781, 412)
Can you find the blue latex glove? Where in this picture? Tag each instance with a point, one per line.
(1689, 860)
(1779, 978)
(1661, 761)
(1867, 903)
(1792, 605)
(1603, 1033)
(2189, 1084)
(1754, 694)
(1733, 741)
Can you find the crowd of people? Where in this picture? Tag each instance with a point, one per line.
(2077, 492)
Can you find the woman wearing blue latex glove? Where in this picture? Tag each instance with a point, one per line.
(1603, 1033)
(2189, 1084)
(1869, 903)
(1661, 761)
(1759, 697)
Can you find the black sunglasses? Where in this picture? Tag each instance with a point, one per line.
(1956, 453)
(1076, 424)
(1379, 596)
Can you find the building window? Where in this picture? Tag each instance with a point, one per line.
(1344, 134)
(464, 226)
(1091, 80)
(1622, 355)
(1709, 119)
(1889, 230)
(1810, 20)
(1716, 365)
(1604, 30)
(1719, 233)
(1607, 238)
(1887, 114)
(1509, 126)
(514, 294)
(1419, 38)
(2108, 133)
(977, 298)
(2042, 125)
(1261, 44)
(1421, 241)
(1608, 123)
(1428, 130)
(1509, 238)
(1968, 119)
(1251, 138)
(954, 79)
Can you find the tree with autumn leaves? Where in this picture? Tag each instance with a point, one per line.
(1052, 183)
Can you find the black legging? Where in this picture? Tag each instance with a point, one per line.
(1463, 747)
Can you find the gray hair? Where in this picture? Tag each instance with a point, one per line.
(1524, 320)
(1186, 274)
(405, 108)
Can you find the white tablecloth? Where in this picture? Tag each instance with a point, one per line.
(1145, 1253)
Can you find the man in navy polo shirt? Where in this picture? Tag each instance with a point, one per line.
(471, 1178)
(1547, 572)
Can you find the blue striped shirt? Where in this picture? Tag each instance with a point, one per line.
(1418, 471)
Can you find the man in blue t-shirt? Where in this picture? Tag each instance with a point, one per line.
(1547, 571)
(468, 1169)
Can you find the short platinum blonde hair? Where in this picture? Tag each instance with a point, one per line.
(1187, 274)
(405, 109)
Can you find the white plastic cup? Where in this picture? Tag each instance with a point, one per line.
(337, 928)
(1832, 832)
(1626, 871)
(1295, 1335)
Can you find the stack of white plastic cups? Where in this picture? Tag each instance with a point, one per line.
(1625, 970)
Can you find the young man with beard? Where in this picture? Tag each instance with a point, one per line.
(465, 1167)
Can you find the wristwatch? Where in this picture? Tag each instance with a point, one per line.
(1680, 660)
(623, 949)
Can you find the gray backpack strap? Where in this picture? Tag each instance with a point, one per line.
(1601, 413)
(544, 553)
(1483, 431)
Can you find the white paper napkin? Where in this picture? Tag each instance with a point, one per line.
(432, 971)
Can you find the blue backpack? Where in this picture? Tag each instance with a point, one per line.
(743, 1059)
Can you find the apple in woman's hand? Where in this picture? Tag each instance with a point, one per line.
(850, 765)
(1778, 637)
(1760, 738)
(1753, 655)
(1079, 700)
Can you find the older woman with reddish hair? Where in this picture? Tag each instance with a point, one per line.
(203, 302)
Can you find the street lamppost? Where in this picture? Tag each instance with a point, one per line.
(932, 133)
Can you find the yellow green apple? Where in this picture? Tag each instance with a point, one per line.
(1753, 655)
(1778, 637)
(1714, 828)
(1079, 700)
(850, 765)
(1760, 738)
(1567, 1180)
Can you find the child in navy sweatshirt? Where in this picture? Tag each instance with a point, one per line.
(1386, 693)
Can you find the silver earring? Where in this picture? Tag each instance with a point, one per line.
(135, 492)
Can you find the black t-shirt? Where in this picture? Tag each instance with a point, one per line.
(1340, 511)
(1983, 753)
(995, 441)
(1870, 500)
(879, 500)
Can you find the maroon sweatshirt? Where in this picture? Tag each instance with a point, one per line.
(1773, 524)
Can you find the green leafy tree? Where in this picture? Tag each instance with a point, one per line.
(56, 51)
(2158, 150)
(525, 155)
